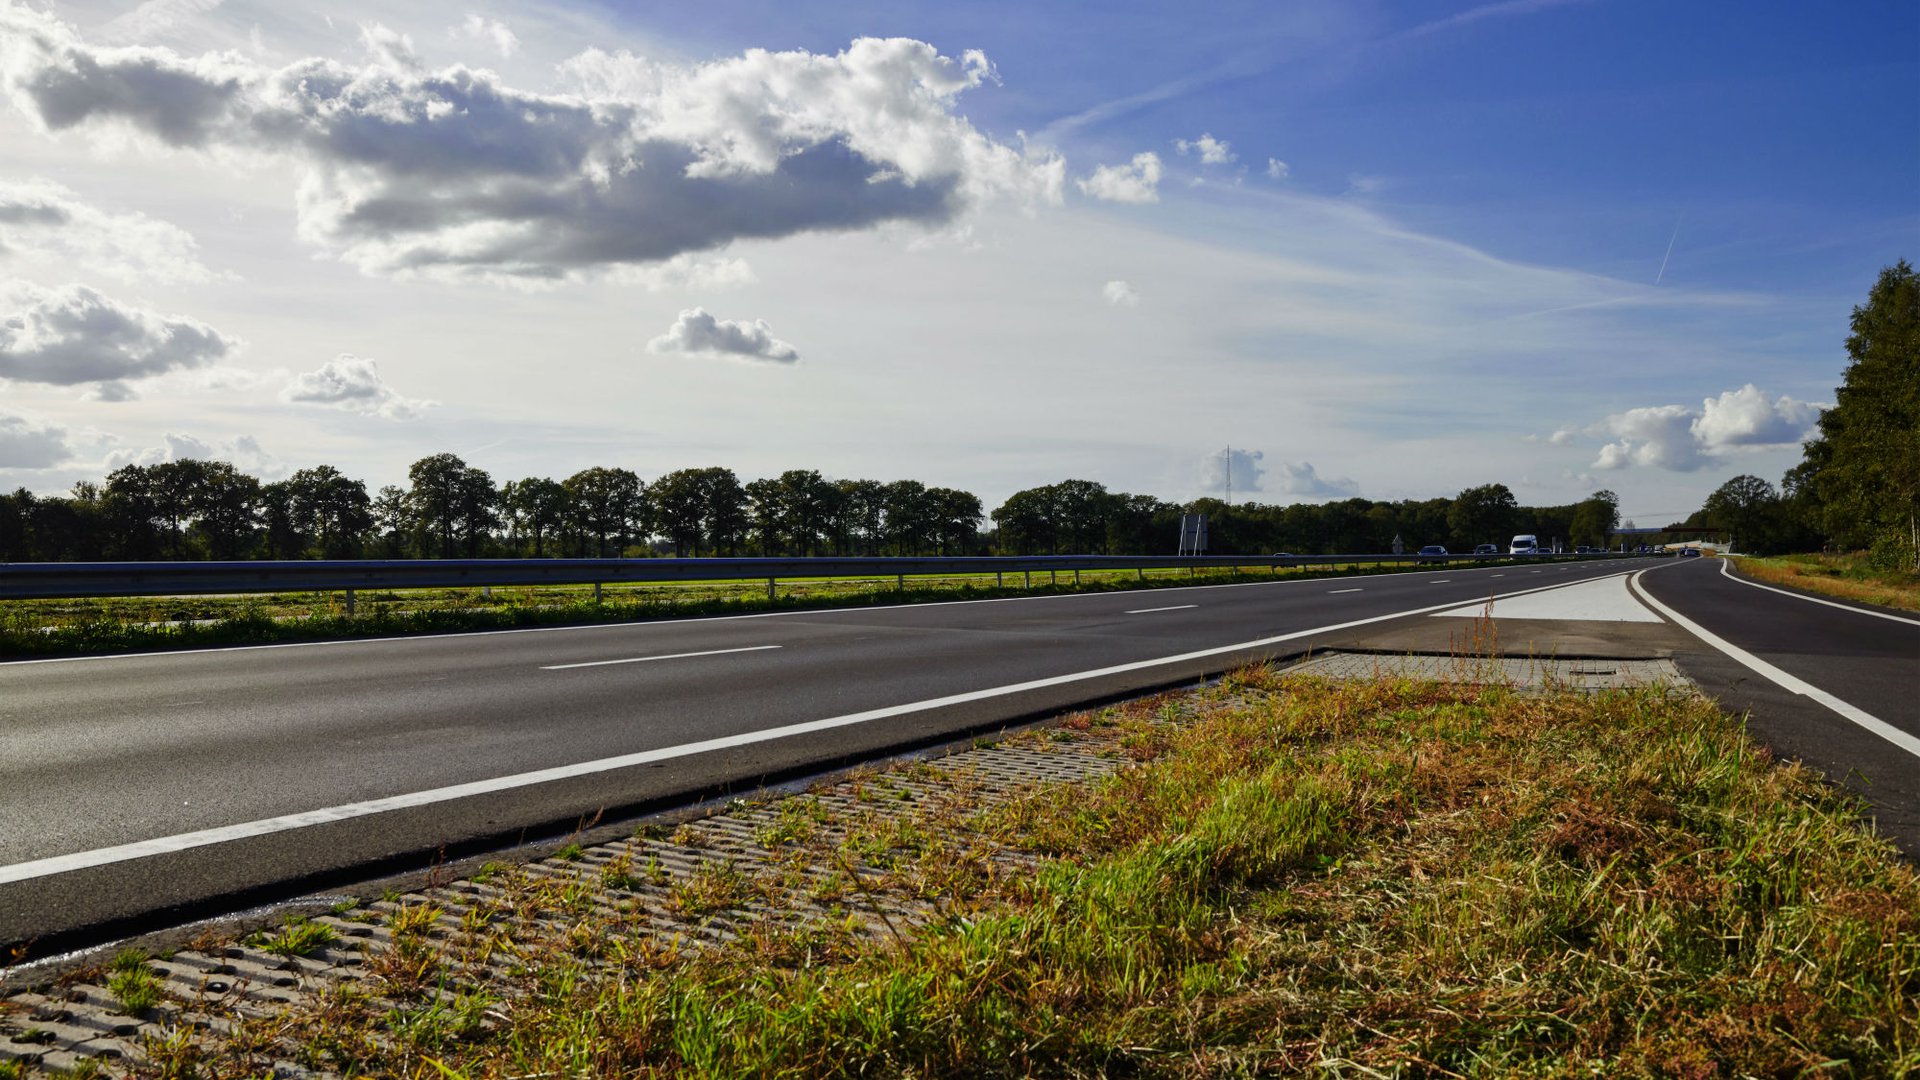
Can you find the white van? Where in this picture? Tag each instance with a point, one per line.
(1524, 544)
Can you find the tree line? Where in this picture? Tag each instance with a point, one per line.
(1857, 486)
(194, 509)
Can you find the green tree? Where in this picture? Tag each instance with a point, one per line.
(1595, 517)
(533, 508)
(607, 504)
(1746, 507)
(1486, 514)
(1868, 452)
(451, 504)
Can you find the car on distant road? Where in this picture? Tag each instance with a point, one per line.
(1433, 549)
(1525, 544)
(1689, 553)
(1486, 549)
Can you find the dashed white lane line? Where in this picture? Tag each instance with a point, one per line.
(1440, 581)
(645, 659)
(1331, 592)
(1151, 610)
(165, 845)
(1799, 686)
(1726, 571)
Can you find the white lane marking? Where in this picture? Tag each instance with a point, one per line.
(1440, 581)
(645, 659)
(1726, 571)
(1151, 610)
(1331, 592)
(655, 624)
(1499, 575)
(166, 845)
(1599, 600)
(1799, 686)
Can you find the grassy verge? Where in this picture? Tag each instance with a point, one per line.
(1368, 879)
(1847, 577)
(92, 626)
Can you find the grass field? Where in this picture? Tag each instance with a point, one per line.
(1847, 577)
(83, 626)
(1289, 876)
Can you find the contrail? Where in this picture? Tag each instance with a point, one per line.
(1669, 254)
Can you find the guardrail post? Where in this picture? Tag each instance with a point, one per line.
(1141, 571)
(999, 579)
(1076, 577)
(899, 583)
(770, 596)
(349, 601)
(1029, 574)
(596, 592)
(1053, 577)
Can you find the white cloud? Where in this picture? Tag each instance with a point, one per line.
(699, 333)
(480, 28)
(1212, 151)
(1745, 417)
(353, 383)
(1277, 169)
(1120, 294)
(243, 452)
(25, 444)
(42, 218)
(155, 18)
(1242, 467)
(1301, 479)
(1682, 439)
(1136, 182)
(453, 173)
(1561, 437)
(73, 335)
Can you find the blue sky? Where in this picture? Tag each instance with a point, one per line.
(1560, 245)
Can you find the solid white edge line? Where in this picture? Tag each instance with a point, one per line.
(1151, 610)
(1726, 571)
(166, 845)
(645, 659)
(1799, 686)
(656, 622)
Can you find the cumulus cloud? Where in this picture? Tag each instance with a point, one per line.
(699, 333)
(1211, 151)
(1561, 437)
(453, 173)
(42, 218)
(1745, 417)
(492, 31)
(25, 444)
(1241, 467)
(1299, 478)
(1277, 169)
(243, 452)
(353, 383)
(1682, 439)
(1135, 182)
(1120, 294)
(72, 336)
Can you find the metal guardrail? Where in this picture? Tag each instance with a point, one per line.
(42, 581)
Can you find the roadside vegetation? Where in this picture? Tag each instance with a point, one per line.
(105, 625)
(1848, 577)
(1386, 878)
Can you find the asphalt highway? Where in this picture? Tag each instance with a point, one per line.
(154, 786)
(1832, 684)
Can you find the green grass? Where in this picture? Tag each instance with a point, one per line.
(132, 983)
(1376, 879)
(110, 625)
(1848, 577)
(299, 937)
